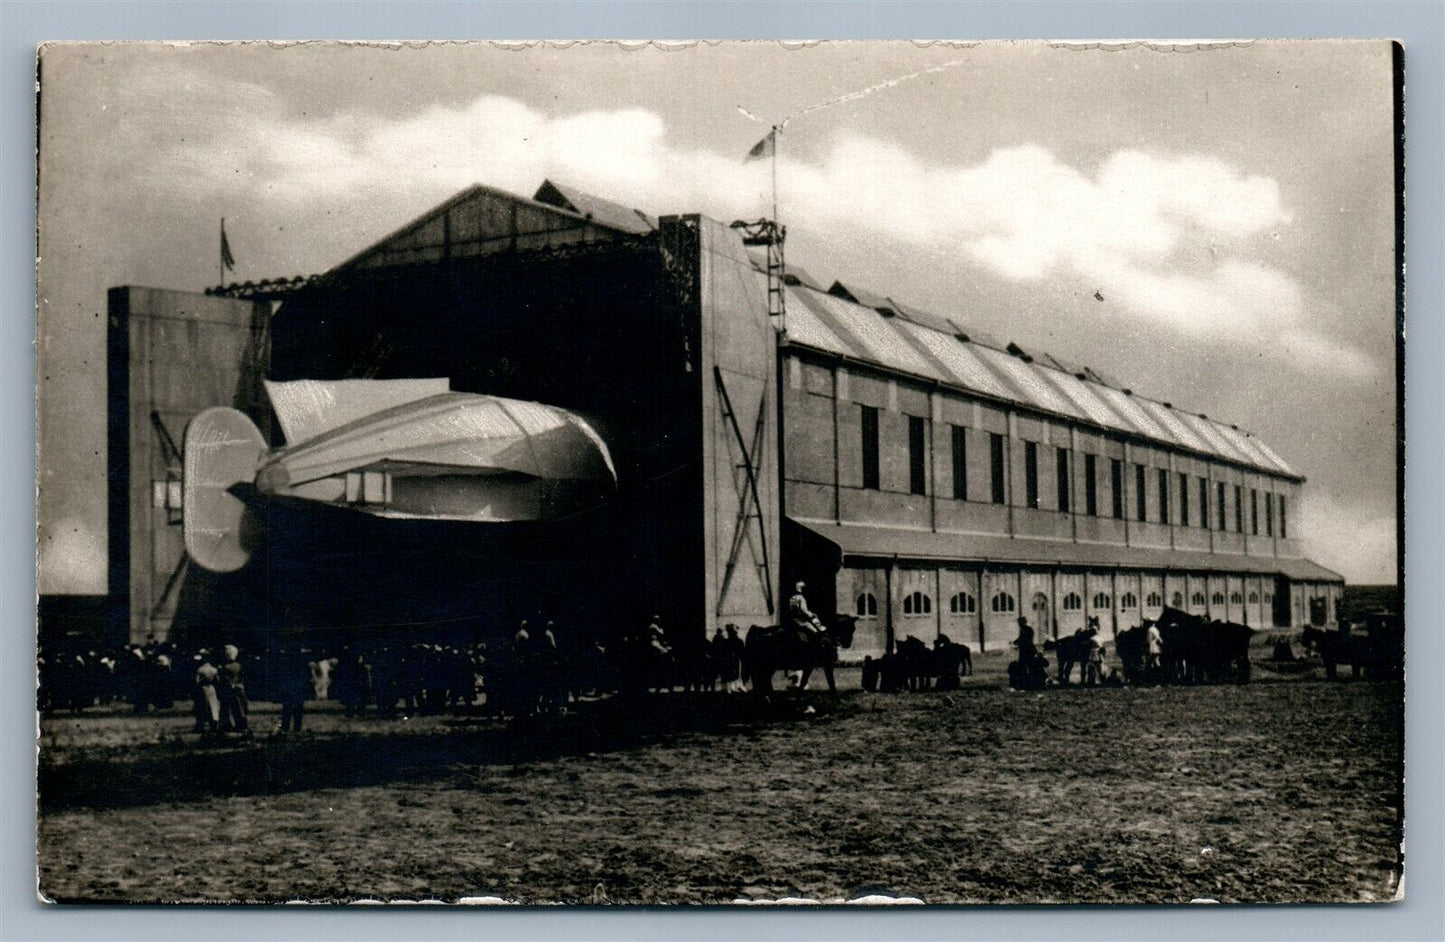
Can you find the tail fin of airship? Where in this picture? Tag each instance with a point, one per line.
(222, 448)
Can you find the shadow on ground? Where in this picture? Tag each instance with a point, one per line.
(187, 769)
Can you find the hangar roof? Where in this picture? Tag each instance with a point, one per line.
(844, 319)
(861, 540)
(851, 322)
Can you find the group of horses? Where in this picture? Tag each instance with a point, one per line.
(1192, 650)
(1378, 653)
(913, 665)
(543, 680)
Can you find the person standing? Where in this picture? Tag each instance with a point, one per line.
(1154, 648)
(205, 702)
(231, 689)
(293, 684)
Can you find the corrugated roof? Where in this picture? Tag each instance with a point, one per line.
(960, 359)
(867, 333)
(594, 208)
(860, 540)
(845, 320)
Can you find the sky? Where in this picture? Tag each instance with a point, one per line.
(1232, 206)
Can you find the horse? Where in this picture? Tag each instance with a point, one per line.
(770, 649)
(948, 662)
(1200, 651)
(913, 660)
(1336, 648)
(1074, 649)
(1130, 644)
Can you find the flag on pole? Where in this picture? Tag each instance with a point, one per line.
(764, 148)
(228, 261)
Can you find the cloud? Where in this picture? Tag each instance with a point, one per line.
(1175, 240)
(1354, 539)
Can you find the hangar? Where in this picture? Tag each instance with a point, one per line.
(766, 427)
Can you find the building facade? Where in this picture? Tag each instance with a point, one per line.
(966, 483)
(915, 473)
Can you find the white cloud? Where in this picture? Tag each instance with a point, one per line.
(1353, 539)
(1167, 237)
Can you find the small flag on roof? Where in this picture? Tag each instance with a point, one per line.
(764, 148)
(228, 261)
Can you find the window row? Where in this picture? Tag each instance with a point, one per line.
(1198, 514)
(963, 603)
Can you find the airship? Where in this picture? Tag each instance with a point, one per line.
(407, 449)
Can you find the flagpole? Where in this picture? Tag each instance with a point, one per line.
(221, 252)
(775, 174)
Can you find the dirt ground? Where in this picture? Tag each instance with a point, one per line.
(1288, 789)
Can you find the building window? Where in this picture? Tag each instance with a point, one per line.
(1235, 598)
(960, 463)
(1116, 485)
(1140, 494)
(1102, 600)
(917, 451)
(1196, 599)
(1003, 602)
(1031, 474)
(1154, 601)
(1283, 531)
(1268, 514)
(1091, 486)
(1204, 503)
(1072, 602)
(1065, 479)
(996, 463)
(1254, 598)
(870, 448)
(1129, 601)
(1269, 598)
(1217, 598)
(1238, 509)
(1253, 512)
(1163, 496)
(1183, 499)
(867, 605)
(962, 604)
(1178, 600)
(917, 603)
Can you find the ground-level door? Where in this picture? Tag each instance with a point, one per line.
(1282, 617)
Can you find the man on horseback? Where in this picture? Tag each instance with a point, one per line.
(804, 622)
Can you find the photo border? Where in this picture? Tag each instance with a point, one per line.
(1418, 25)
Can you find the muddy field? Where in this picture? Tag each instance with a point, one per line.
(1287, 789)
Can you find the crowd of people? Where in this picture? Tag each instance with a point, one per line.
(220, 682)
(539, 669)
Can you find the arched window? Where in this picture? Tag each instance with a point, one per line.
(1217, 598)
(1235, 598)
(962, 604)
(867, 605)
(1254, 598)
(917, 603)
(1177, 601)
(1128, 601)
(1003, 602)
(1197, 598)
(1154, 601)
(1102, 600)
(1072, 602)
(1269, 598)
